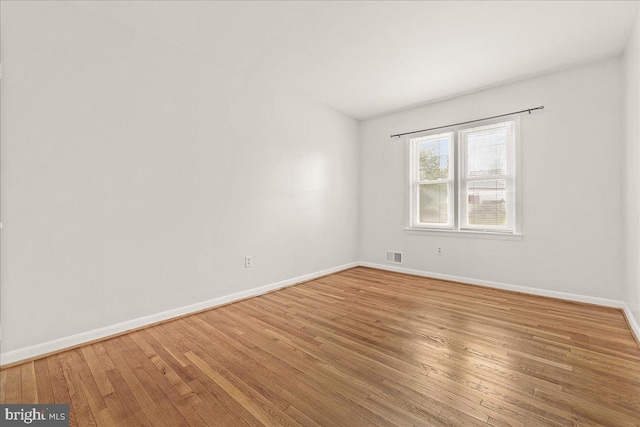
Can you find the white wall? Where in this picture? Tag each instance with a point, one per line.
(631, 181)
(571, 186)
(136, 176)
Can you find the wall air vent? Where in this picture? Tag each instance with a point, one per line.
(394, 257)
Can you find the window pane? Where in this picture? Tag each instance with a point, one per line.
(433, 204)
(433, 158)
(487, 203)
(487, 152)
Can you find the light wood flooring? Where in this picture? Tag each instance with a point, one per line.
(362, 347)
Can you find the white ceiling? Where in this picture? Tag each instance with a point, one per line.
(368, 58)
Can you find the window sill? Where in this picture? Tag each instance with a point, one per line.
(464, 234)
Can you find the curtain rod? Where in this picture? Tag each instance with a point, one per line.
(529, 110)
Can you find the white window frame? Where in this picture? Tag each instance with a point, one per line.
(457, 188)
(416, 182)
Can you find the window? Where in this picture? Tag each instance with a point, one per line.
(465, 179)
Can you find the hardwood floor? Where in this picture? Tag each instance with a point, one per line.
(358, 348)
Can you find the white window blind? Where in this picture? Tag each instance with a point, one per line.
(486, 177)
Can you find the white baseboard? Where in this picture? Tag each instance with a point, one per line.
(498, 285)
(633, 322)
(37, 350)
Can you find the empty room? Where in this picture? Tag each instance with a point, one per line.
(320, 213)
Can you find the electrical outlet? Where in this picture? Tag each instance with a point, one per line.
(439, 250)
(248, 261)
